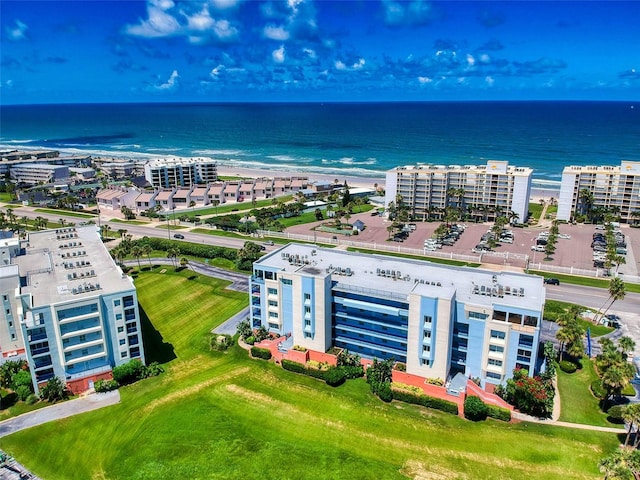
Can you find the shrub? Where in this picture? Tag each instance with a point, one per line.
(22, 378)
(244, 329)
(597, 389)
(299, 348)
(129, 372)
(384, 392)
(221, 342)
(614, 414)
(31, 399)
(474, 409)
(263, 353)
(317, 373)
(401, 367)
(153, 369)
(102, 386)
(435, 381)
(499, 413)
(353, 371)
(335, 376)
(250, 340)
(23, 392)
(568, 367)
(293, 366)
(425, 401)
(55, 390)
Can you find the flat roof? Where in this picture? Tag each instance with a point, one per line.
(399, 276)
(49, 262)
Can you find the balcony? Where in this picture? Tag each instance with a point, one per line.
(84, 331)
(86, 358)
(37, 337)
(79, 345)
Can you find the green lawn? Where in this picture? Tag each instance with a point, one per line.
(578, 405)
(309, 217)
(554, 308)
(214, 415)
(6, 197)
(130, 222)
(64, 213)
(233, 207)
(536, 210)
(585, 281)
(445, 261)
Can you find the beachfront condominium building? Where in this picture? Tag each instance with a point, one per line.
(438, 320)
(483, 191)
(67, 308)
(614, 189)
(180, 172)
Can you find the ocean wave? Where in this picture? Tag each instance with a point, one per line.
(289, 158)
(310, 169)
(350, 161)
(214, 152)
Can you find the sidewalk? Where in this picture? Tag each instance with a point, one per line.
(91, 402)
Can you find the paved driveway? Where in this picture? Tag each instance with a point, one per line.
(93, 401)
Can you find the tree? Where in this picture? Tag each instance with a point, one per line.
(8, 369)
(137, 251)
(626, 345)
(55, 390)
(530, 395)
(622, 464)
(616, 292)
(631, 417)
(146, 250)
(379, 374)
(22, 384)
(173, 253)
(474, 409)
(244, 329)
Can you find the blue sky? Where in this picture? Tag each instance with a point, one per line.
(304, 50)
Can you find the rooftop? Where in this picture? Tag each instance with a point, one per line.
(59, 262)
(398, 277)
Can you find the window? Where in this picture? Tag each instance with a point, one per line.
(120, 329)
(269, 275)
(85, 351)
(427, 335)
(494, 362)
(307, 297)
(273, 303)
(497, 334)
(272, 291)
(123, 354)
(286, 281)
(426, 348)
(116, 303)
(118, 316)
(530, 321)
(526, 341)
(83, 338)
(307, 310)
(273, 325)
(122, 341)
(515, 318)
(494, 376)
(426, 362)
(13, 336)
(478, 315)
(5, 298)
(10, 323)
(307, 323)
(500, 316)
(427, 320)
(8, 311)
(496, 348)
(307, 335)
(273, 315)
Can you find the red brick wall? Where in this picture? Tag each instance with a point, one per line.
(323, 357)
(82, 385)
(490, 398)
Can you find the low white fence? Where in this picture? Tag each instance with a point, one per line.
(499, 258)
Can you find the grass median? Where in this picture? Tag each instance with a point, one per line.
(223, 415)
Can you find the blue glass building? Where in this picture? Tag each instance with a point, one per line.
(439, 320)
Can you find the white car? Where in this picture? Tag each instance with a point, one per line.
(537, 248)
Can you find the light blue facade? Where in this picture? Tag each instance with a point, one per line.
(435, 319)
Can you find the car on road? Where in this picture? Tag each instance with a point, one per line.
(552, 281)
(179, 236)
(268, 243)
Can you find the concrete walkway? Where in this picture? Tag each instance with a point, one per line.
(90, 402)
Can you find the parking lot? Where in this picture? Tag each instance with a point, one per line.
(573, 252)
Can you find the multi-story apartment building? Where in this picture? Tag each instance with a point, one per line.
(483, 190)
(438, 320)
(180, 172)
(38, 173)
(68, 308)
(614, 188)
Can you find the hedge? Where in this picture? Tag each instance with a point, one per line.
(425, 401)
(568, 367)
(263, 353)
(475, 409)
(598, 390)
(319, 374)
(499, 413)
(335, 377)
(102, 386)
(293, 366)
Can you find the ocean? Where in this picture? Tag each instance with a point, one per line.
(358, 139)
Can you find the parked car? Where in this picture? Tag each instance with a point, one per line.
(537, 248)
(179, 236)
(552, 281)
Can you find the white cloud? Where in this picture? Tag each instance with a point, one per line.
(215, 72)
(310, 53)
(18, 31)
(359, 64)
(278, 55)
(425, 80)
(470, 60)
(484, 58)
(393, 12)
(489, 80)
(159, 23)
(224, 4)
(200, 21)
(224, 30)
(171, 83)
(276, 33)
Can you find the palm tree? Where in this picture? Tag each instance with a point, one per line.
(173, 254)
(616, 292)
(622, 464)
(563, 336)
(631, 416)
(137, 251)
(146, 250)
(626, 345)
